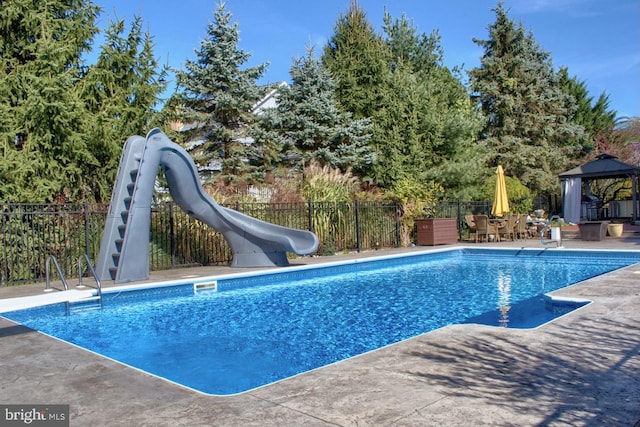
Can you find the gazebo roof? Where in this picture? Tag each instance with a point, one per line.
(605, 166)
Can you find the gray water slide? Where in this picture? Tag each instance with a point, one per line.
(124, 250)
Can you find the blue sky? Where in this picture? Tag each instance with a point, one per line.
(599, 41)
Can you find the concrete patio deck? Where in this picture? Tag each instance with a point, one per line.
(580, 370)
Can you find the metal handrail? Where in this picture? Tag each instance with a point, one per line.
(544, 229)
(93, 273)
(47, 268)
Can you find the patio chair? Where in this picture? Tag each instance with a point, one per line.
(484, 228)
(522, 228)
(508, 228)
(471, 225)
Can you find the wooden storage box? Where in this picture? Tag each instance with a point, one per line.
(593, 230)
(437, 231)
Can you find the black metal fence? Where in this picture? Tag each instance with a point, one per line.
(30, 233)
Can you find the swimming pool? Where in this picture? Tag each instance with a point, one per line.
(251, 330)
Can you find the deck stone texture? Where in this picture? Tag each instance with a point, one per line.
(580, 370)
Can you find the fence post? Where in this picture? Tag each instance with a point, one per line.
(87, 243)
(397, 217)
(357, 226)
(172, 240)
(459, 207)
(310, 211)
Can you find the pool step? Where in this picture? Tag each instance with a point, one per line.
(84, 305)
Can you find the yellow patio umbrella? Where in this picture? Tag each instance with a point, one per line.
(500, 198)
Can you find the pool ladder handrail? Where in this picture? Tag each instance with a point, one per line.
(47, 268)
(546, 226)
(65, 284)
(91, 270)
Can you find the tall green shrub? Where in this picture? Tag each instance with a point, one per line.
(416, 200)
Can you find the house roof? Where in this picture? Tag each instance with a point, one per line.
(270, 100)
(604, 166)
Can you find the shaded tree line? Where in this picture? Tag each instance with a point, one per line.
(381, 106)
(62, 121)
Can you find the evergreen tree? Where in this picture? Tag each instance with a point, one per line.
(308, 124)
(421, 115)
(427, 120)
(595, 117)
(529, 128)
(43, 144)
(419, 52)
(358, 59)
(121, 92)
(215, 96)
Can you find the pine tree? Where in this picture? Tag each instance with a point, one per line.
(358, 59)
(427, 119)
(449, 120)
(419, 52)
(121, 92)
(421, 115)
(308, 124)
(595, 117)
(215, 96)
(43, 144)
(529, 126)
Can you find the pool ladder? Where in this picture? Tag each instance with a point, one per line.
(94, 302)
(544, 230)
(47, 268)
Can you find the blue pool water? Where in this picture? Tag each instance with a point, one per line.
(256, 330)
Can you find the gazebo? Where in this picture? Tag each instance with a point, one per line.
(577, 207)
